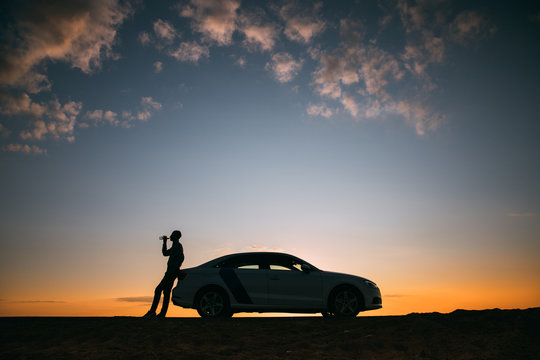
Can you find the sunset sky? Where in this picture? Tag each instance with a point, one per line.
(395, 140)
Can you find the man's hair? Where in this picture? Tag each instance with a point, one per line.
(176, 233)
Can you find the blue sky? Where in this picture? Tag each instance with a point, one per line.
(392, 139)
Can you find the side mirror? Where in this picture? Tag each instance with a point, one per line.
(306, 268)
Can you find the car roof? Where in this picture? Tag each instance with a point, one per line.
(252, 253)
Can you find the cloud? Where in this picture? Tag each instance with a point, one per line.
(350, 104)
(369, 80)
(25, 149)
(420, 116)
(148, 105)
(284, 67)
(350, 65)
(258, 35)
(126, 119)
(51, 119)
(377, 68)
(189, 51)
(470, 26)
(319, 110)
(144, 38)
(137, 299)
(164, 30)
(215, 19)
(412, 16)
(148, 102)
(332, 71)
(396, 295)
(418, 56)
(99, 117)
(301, 24)
(158, 66)
(80, 33)
(241, 61)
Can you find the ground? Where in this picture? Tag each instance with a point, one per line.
(487, 334)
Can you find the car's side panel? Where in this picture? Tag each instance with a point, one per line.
(294, 289)
(247, 286)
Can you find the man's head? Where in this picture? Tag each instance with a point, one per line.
(175, 235)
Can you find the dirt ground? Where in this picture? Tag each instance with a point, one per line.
(487, 334)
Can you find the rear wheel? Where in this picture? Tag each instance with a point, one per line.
(346, 302)
(213, 303)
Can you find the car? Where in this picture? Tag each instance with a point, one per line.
(272, 282)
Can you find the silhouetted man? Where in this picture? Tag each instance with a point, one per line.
(176, 258)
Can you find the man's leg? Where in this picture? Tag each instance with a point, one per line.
(157, 296)
(168, 283)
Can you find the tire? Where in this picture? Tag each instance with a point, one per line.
(213, 303)
(345, 302)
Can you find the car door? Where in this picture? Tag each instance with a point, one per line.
(291, 288)
(245, 279)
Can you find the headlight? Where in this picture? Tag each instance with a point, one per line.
(371, 284)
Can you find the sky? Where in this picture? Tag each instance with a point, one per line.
(394, 140)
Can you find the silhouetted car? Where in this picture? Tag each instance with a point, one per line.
(272, 282)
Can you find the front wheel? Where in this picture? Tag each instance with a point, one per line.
(213, 303)
(346, 302)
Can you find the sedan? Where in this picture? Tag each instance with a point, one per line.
(272, 282)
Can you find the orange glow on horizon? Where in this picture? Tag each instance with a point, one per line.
(442, 300)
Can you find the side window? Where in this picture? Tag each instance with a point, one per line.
(284, 263)
(249, 267)
(279, 267)
(246, 262)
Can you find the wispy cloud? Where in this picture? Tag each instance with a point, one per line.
(125, 119)
(136, 299)
(241, 61)
(284, 67)
(319, 110)
(189, 51)
(393, 296)
(25, 149)
(158, 66)
(470, 26)
(51, 119)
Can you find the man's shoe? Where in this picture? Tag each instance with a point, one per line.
(149, 315)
